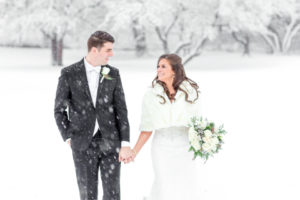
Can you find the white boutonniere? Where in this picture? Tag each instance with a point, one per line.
(105, 71)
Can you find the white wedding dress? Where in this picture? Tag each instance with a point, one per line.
(175, 171)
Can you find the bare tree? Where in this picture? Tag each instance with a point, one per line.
(276, 21)
(53, 18)
(243, 19)
(128, 13)
(283, 26)
(61, 18)
(182, 27)
(191, 22)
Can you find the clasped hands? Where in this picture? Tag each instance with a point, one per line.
(126, 155)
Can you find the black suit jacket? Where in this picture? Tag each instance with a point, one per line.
(78, 123)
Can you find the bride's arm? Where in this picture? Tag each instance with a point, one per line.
(143, 138)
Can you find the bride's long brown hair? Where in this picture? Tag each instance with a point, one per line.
(180, 76)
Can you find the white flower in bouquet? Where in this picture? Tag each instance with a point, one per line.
(196, 145)
(207, 133)
(208, 147)
(211, 141)
(215, 140)
(192, 132)
(202, 125)
(206, 139)
(213, 148)
(194, 138)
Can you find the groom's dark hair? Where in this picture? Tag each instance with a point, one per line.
(98, 38)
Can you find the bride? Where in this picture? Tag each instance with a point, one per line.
(167, 107)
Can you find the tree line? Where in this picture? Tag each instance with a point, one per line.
(179, 26)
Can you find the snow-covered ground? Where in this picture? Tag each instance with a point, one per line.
(257, 98)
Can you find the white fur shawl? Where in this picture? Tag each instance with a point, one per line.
(156, 115)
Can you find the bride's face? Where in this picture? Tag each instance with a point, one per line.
(165, 72)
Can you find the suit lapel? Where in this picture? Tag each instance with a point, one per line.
(84, 80)
(100, 86)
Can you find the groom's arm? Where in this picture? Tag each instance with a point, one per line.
(61, 103)
(121, 111)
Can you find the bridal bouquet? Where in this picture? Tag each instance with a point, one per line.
(205, 138)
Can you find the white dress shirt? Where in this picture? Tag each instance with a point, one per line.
(93, 75)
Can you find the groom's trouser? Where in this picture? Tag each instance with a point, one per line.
(100, 154)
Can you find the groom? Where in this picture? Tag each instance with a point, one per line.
(96, 124)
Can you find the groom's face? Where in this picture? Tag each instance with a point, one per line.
(103, 53)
